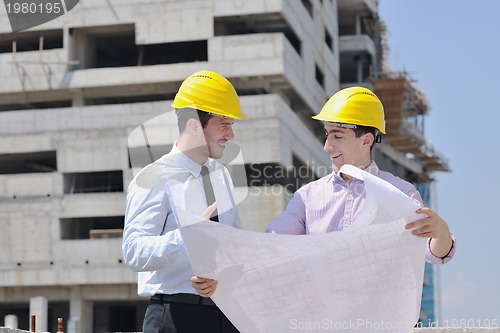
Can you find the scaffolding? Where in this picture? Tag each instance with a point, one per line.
(405, 108)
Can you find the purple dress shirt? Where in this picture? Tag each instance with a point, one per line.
(331, 204)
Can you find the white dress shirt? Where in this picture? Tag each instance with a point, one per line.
(152, 244)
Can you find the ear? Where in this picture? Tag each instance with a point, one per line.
(194, 126)
(368, 140)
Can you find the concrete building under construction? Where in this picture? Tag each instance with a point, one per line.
(73, 89)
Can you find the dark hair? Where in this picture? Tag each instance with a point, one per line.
(361, 130)
(183, 115)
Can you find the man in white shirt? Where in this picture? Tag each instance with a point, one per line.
(206, 106)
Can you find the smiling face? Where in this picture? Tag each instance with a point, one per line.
(218, 131)
(345, 148)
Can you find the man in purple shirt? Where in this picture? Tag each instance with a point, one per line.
(353, 118)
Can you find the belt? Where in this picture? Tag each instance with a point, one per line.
(183, 298)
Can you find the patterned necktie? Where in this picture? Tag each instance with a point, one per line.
(209, 192)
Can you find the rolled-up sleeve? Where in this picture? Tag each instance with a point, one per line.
(432, 259)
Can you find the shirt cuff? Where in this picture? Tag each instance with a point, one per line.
(431, 258)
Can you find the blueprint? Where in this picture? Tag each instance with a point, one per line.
(367, 278)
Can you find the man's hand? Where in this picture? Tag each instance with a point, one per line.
(204, 287)
(431, 226)
(434, 227)
(208, 212)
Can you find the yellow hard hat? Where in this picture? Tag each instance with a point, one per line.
(210, 92)
(356, 106)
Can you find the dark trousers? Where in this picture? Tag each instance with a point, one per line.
(169, 317)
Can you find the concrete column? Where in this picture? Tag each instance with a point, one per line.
(11, 321)
(359, 69)
(357, 24)
(82, 48)
(80, 312)
(39, 308)
(73, 325)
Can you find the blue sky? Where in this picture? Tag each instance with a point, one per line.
(452, 49)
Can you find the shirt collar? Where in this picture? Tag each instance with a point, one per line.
(372, 168)
(187, 163)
